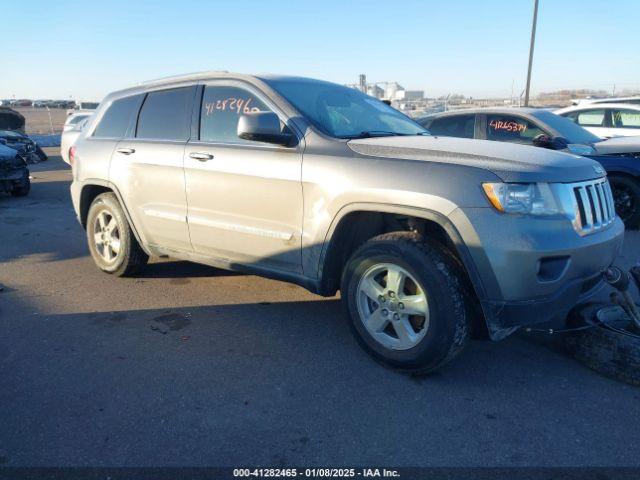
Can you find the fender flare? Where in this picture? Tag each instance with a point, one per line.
(625, 171)
(111, 186)
(440, 219)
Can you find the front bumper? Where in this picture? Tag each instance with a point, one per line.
(76, 191)
(533, 270)
(13, 178)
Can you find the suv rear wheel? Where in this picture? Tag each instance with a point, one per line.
(112, 244)
(405, 302)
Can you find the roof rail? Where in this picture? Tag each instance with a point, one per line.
(184, 77)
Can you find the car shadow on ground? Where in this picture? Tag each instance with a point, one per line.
(52, 164)
(181, 269)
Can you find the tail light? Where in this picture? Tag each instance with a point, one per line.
(72, 155)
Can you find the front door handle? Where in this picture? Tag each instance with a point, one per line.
(126, 151)
(203, 157)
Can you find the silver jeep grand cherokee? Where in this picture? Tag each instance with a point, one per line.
(320, 185)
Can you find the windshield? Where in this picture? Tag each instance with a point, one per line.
(573, 132)
(344, 112)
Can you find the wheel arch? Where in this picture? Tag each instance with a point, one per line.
(90, 190)
(624, 172)
(357, 223)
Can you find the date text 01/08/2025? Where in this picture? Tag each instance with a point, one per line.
(316, 472)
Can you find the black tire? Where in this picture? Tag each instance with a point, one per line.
(611, 353)
(437, 276)
(23, 189)
(626, 196)
(130, 258)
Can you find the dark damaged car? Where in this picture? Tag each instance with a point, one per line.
(12, 135)
(14, 174)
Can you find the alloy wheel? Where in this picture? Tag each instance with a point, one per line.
(106, 236)
(393, 306)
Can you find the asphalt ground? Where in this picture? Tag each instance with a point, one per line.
(187, 365)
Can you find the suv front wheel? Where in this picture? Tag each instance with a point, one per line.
(405, 302)
(112, 244)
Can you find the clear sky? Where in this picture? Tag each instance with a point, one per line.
(84, 49)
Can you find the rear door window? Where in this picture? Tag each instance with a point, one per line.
(511, 128)
(222, 107)
(116, 119)
(166, 115)
(455, 126)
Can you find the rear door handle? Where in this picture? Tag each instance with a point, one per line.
(126, 151)
(203, 157)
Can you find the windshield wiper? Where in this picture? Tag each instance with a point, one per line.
(382, 133)
(375, 133)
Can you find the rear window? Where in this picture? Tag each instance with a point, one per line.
(166, 115)
(454, 126)
(116, 119)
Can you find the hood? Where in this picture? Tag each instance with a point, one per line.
(618, 145)
(7, 153)
(510, 162)
(11, 136)
(11, 120)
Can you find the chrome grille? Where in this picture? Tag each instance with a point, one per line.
(593, 206)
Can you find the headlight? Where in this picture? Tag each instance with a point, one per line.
(522, 198)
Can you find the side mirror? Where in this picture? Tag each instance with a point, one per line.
(552, 143)
(542, 140)
(263, 127)
(559, 143)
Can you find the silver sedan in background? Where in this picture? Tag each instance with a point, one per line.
(70, 132)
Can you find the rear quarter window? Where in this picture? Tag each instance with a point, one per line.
(116, 119)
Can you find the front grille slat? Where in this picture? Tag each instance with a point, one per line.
(588, 216)
(604, 213)
(593, 206)
(607, 187)
(595, 203)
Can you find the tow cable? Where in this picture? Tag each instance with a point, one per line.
(622, 304)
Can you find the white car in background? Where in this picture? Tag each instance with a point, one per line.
(74, 119)
(84, 107)
(71, 131)
(583, 101)
(605, 120)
